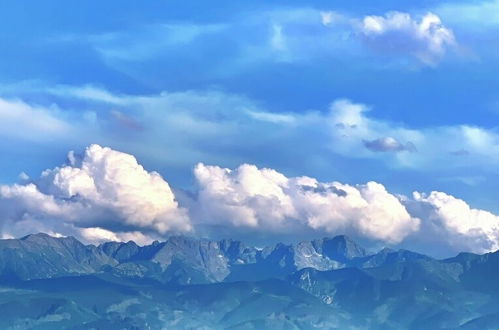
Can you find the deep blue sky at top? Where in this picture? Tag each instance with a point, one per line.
(274, 57)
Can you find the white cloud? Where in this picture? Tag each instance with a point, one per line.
(106, 195)
(396, 32)
(21, 120)
(103, 187)
(88, 92)
(350, 129)
(114, 181)
(268, 200)
(244, 197)
(312, 33)
(272, 117)
(454, 223)
(98, 235)
(20, 201)
(191, 118)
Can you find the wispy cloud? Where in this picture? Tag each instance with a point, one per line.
(212, 120)
(24, 121)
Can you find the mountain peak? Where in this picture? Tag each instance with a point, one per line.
(341, 248)
(36, 236)
(48, 239)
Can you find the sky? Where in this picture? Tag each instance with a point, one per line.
(258, 120)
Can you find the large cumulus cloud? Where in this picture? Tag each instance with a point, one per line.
(100, 189)
(264, 198)
(453, 224)
(266, 201)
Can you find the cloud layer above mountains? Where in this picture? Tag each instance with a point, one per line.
(265, 198)
(93, 195)
(105, 194)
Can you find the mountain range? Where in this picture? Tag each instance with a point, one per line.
(187, 283)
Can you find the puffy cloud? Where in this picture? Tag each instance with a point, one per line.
(388, 144)
(396, 32)
(19, 201)
(102, 187)
(266, 201)
(244, 197)
(264, 198)
(114, 181)
(105, 195)
(454, 223)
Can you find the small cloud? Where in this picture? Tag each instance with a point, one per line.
(426, 39)
(275, 118)
(454, 222)
(23, 176)
(388, 144)
(99, 235)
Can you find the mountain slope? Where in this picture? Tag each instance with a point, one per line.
(48, 282)
(43, 256)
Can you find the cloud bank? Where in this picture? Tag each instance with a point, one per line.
(265, 198)
(105, 194)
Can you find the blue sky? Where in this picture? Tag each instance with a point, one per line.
(396, 92)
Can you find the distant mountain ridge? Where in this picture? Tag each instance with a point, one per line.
(180, 259)
(48, 282)
(43, 256)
